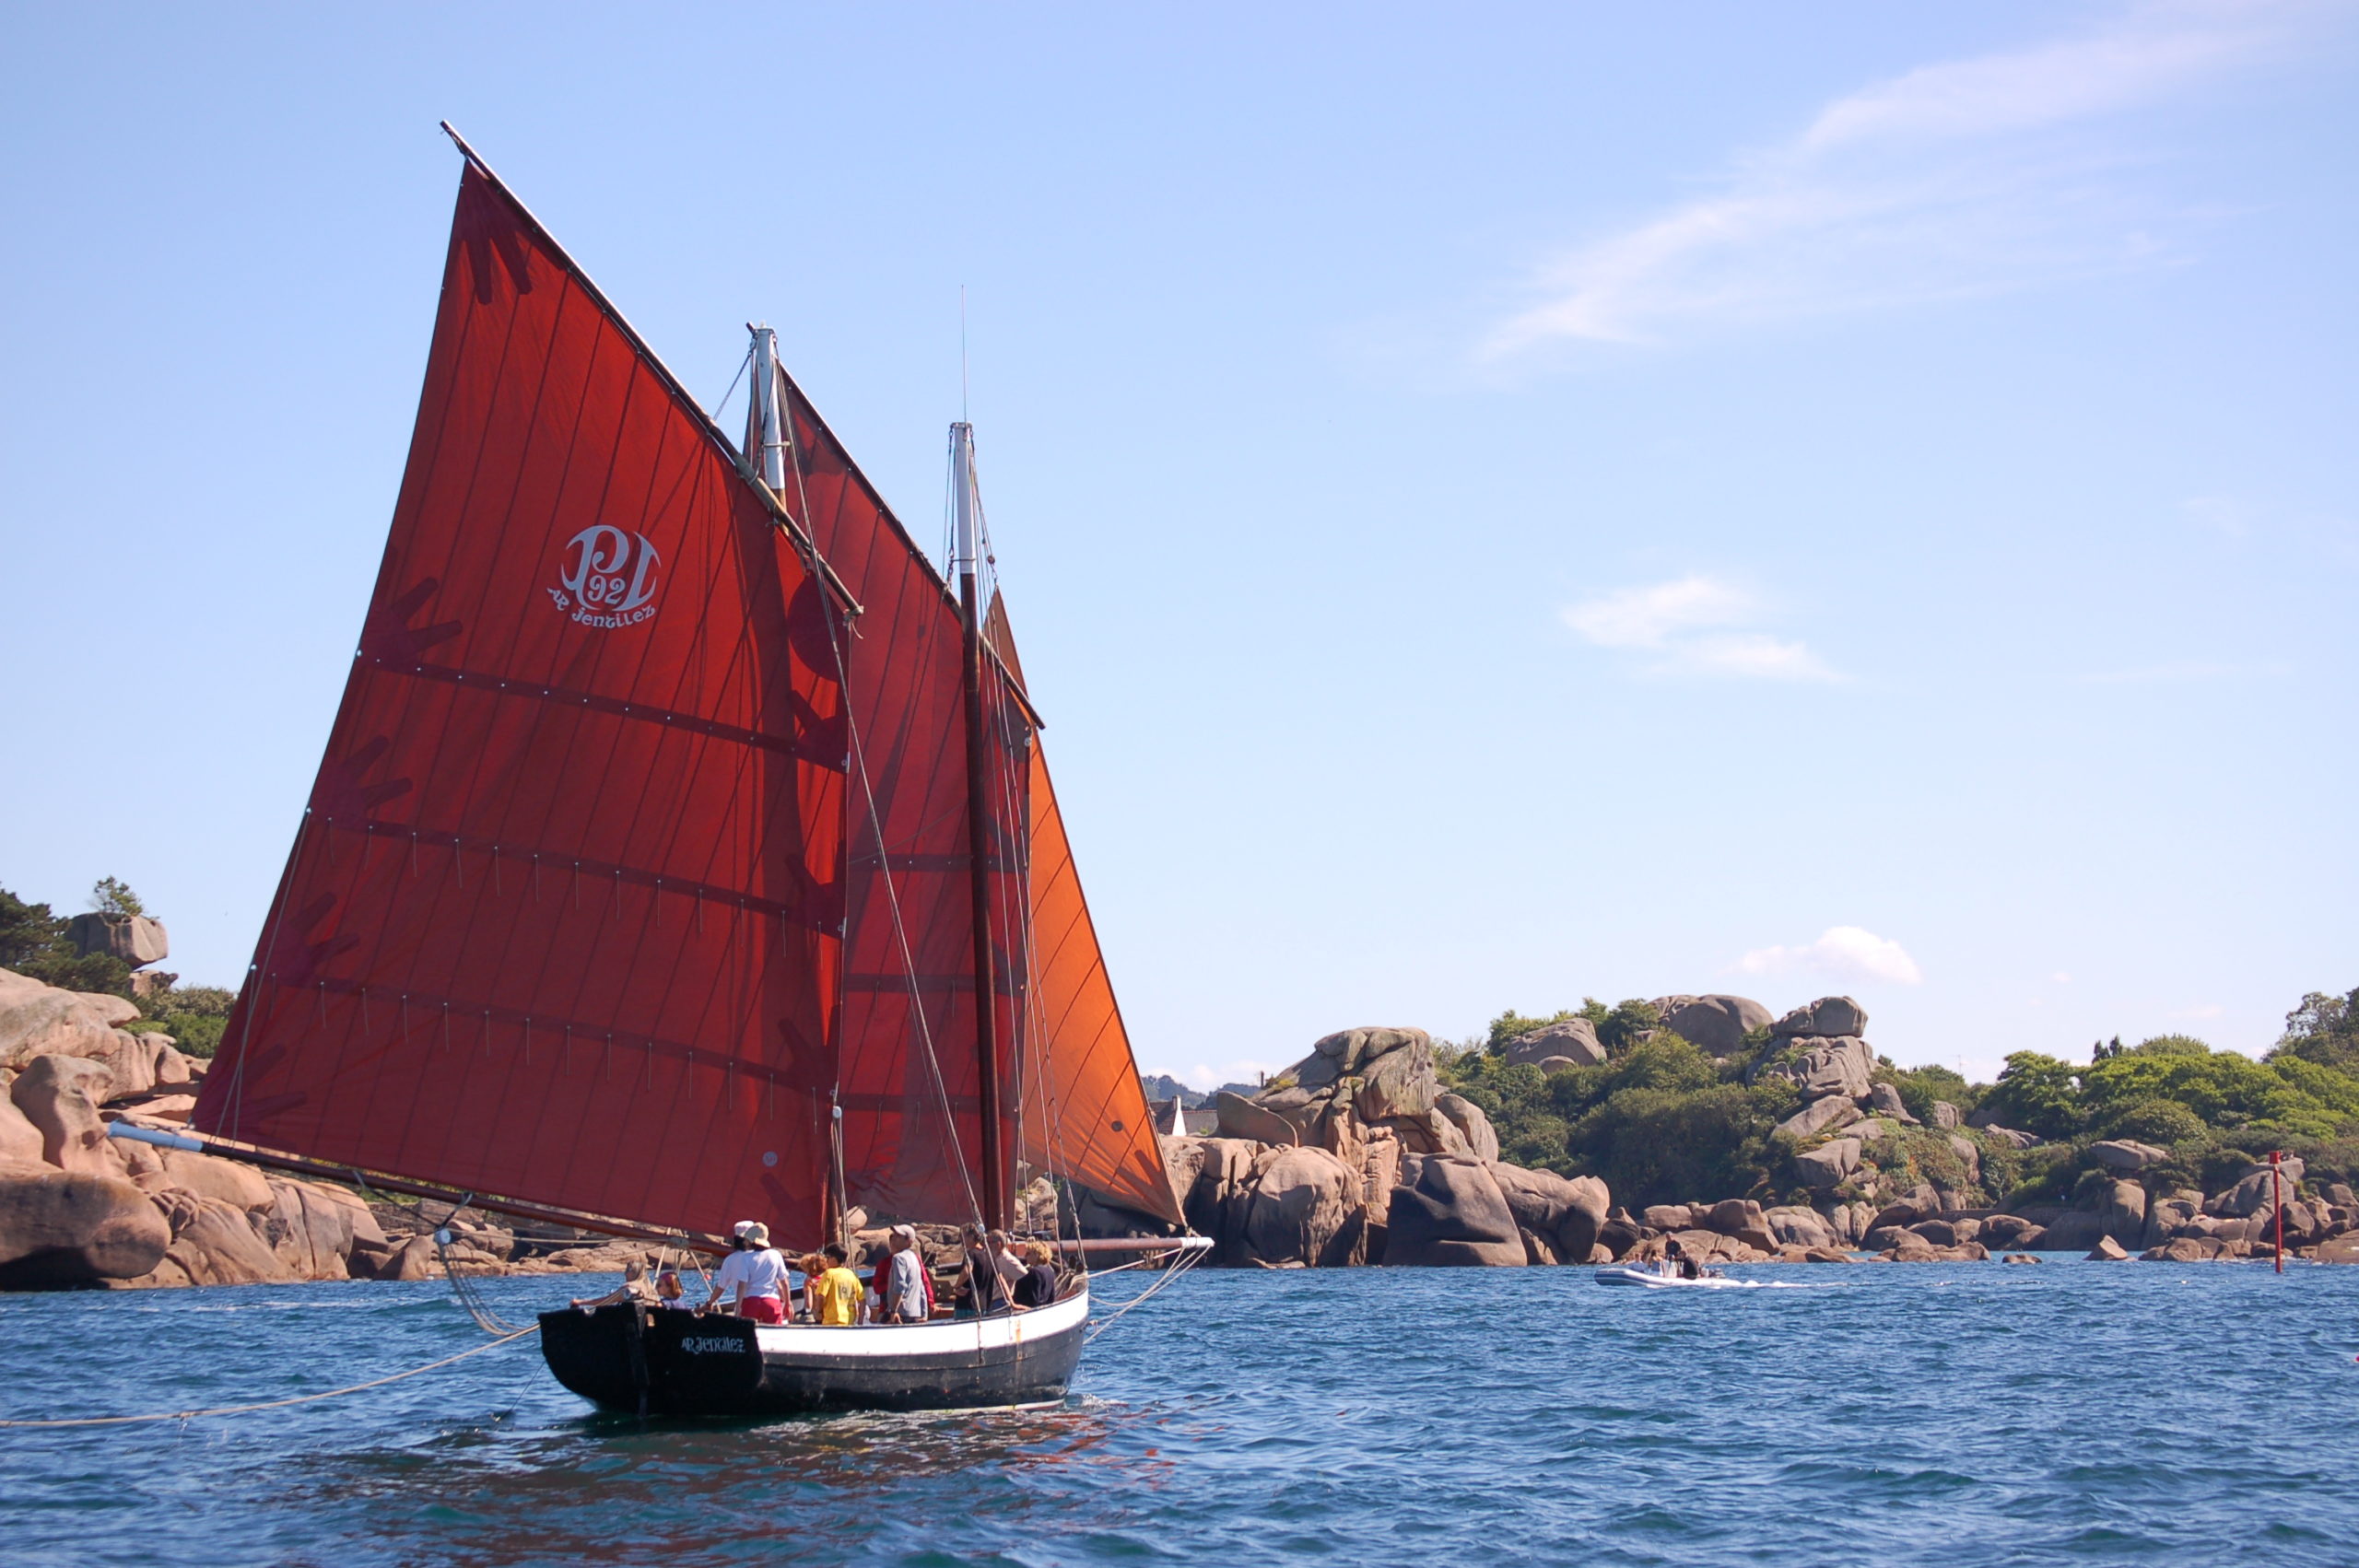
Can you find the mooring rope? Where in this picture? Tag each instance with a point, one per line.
(279, 1404)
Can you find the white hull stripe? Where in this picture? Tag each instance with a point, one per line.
(959, 1336)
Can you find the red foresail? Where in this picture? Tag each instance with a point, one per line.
(562, 921)
(1084, 1115)
(910, 1074)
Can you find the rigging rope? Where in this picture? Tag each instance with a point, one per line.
(1187, 1260)
(279, 1404)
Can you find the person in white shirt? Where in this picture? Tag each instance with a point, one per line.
(756, 1273)
(909, 1297)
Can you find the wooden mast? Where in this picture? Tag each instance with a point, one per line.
(992, 1191)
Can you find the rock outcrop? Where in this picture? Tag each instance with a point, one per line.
(1241, 1118)
(1302, 1201)
(60, 1095)
(213, 1243)
(1716, 1023)
(1572, 1043)
(1823, 1168)
(1449, 1211)
(1829, 1016)
(2125, 1154)
(62, 1227)
(137, 939)
(1830, 1065)
(1473, 1125)
(1558, 1217)
(1828, 1113)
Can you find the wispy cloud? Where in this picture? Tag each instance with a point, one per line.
(1959, 179)
(1841, 953)
(1693, 624)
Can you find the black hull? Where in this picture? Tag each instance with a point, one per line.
(642, 1361)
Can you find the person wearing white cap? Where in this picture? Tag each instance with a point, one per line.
(756, 1273)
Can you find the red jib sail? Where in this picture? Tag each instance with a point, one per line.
(561, 923)
(910, 1083)
(1084, 1116)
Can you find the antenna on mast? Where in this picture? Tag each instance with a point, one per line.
(962, 354)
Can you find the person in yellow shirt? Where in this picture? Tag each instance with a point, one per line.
(838, 1291)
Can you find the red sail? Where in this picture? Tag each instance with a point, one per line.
(1086, 1116)
(562, 921)
(908, 1025)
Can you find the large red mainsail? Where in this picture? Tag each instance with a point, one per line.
(562, 921)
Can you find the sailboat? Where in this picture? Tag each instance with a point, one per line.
(683, 852)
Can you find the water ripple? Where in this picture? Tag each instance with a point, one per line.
(1961, 1416)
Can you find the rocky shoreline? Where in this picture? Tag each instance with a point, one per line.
(1359, 1155)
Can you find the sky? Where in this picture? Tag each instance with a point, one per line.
(1501, 504)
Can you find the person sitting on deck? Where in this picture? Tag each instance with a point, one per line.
(838, 1291)
(1037, 1287)
(1010, 1267)
(757, 1273)
(668, 1289)
(632, 1289)
(907, 1295)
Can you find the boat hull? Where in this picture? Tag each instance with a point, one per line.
(1648, 1279)
(640, 1361)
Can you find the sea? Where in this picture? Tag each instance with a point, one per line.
(1944, 1414)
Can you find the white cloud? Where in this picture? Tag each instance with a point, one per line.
(1959, 179)
(1842, 953)
(1688, 624)
(1644, 617)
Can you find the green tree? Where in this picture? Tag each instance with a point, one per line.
(2229, 1092)
(109, 896)
(1512, 1025)
(1626, 1022)
(195, 1016)
(28, 932)
(2170, 1044)
(2325, 1030)
(1662, 1145)
(2036, 1094)
(1920, 1086)
(2164, 1122)
(33, 943)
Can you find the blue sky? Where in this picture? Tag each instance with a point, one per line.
(1500, 506)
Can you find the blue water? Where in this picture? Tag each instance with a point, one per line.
(1959, 1415)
